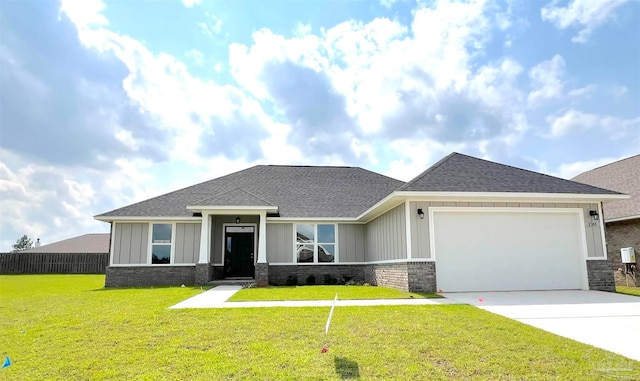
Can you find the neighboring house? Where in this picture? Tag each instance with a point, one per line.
(85, 244)
(465, 224)
(622, 218)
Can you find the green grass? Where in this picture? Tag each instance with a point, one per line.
(68, 328)
(325, 293)
(628, 290)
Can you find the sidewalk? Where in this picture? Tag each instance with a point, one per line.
(217, 298)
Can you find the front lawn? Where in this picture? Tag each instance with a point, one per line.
(325, 293)
(57, 327)
(628, 290)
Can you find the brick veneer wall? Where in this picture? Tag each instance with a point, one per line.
(204, 271)
(422, 276)
(407, 276)
(278, 274)
(623, 234)
(262, 274)
(394, 275)
(600, 276)
(150, 276)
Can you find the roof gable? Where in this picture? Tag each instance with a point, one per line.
(461, 173)
(622, 176)
(235, 197)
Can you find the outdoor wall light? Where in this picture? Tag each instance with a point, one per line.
(237, 220)
(594, 214)
(421, 213)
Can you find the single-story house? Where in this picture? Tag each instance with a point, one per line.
(622, 218)
(465, 224)
(93, 243)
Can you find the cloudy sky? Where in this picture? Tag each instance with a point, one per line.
(107, 103)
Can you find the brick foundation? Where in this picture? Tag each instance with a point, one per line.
(422, 276)
(262, 274)
(150, 276)
(408, 276)
(278, 274)
(392, 275)
(623, 234)
(203, 273)
(600, 276)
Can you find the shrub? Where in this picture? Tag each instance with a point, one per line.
(292, 280)
(330, 279)
(311, 279)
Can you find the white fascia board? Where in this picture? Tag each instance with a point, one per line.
(211, 209)
(606, 220)
(382, 206)
(310, 219)
(398, 197)
(145, 219)
(510, 196)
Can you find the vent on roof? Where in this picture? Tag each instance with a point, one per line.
(197, 214)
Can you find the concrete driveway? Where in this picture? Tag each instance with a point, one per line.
(605, 320)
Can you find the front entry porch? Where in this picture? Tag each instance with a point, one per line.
(233, 246)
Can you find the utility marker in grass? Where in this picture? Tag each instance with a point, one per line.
(326, 327)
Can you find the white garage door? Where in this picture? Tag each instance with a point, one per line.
(508, 249)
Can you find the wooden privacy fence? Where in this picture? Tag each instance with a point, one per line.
(53, 263)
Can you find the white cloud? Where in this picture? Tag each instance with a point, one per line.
(570, 170)
(191, 3)
(585, 14)
(394, 86)
(546, 80)
(84, 13)
(301, 29)
(212, 26)
(388, 3)
(43, 202)
(577, 121)
(582, 91)
(196, 56)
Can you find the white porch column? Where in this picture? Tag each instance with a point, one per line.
(262, 238)
(204, 239)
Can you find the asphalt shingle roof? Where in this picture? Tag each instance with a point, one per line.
(622, 176)
(88, 243)
(336, 192)
(461, 173)
(298, 191)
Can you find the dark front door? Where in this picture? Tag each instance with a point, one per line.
(239, 251)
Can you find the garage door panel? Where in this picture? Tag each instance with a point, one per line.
(507, 250)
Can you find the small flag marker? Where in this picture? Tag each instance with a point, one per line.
(326, 327)
(7, 362)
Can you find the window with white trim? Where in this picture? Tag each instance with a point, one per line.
(315, 243)
(161, 244)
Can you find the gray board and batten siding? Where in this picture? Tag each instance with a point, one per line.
(130, 243)
(386, 237)
(187, 245)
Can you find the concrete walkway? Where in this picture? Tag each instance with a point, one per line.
(217, 298)
(213, 298)
(603, 319)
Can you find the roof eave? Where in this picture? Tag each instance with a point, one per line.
(201, 208)
(146, 218)
(398, 197)
(507, 196)
(618, 219)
